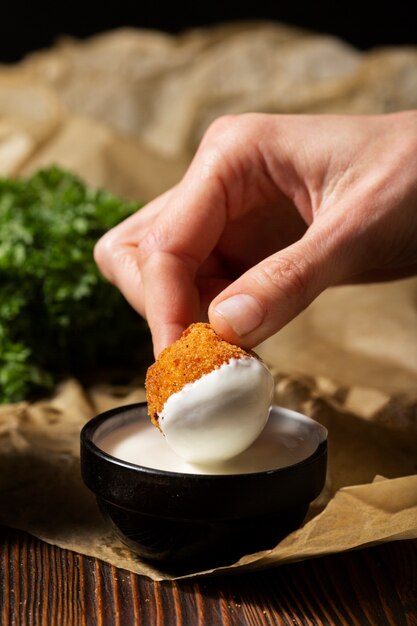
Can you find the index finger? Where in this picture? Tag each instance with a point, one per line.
(172, 251)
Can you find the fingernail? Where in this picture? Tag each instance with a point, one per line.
(242, 312)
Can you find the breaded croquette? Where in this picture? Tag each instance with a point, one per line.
(209, 398)
(199, 351)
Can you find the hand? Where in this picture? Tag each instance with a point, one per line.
(272, 210)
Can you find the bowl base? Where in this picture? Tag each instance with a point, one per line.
(184, 546)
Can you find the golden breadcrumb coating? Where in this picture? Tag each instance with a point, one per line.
(199, 351)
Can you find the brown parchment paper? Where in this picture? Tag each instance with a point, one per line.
(126, 110)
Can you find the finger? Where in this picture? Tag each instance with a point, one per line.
(171, 297)
(110, 247)
(116, 252)
(169, 259)
(176, 246)
(273, 292)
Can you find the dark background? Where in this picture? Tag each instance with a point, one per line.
(27, 26)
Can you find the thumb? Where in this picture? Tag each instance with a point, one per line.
(272, 293)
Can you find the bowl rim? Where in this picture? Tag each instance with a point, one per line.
(89, 429)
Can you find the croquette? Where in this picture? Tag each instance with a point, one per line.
(199, 351)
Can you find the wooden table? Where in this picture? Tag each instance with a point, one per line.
(44, 585)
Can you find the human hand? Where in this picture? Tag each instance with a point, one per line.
(272, 210)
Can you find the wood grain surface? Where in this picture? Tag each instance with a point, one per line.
(44, 585)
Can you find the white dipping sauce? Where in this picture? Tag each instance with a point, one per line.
(221, 414)
(288, 438)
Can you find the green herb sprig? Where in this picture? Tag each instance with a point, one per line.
(58, 315)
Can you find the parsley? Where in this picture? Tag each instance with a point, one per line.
(58, 316)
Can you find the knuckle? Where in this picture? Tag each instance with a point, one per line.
(102, 250)
(289, 276)
(103, 254)
(150, 243)
(226, 142)
(219, 141)
(156, 242)
(220, 126)
(228, 128)
(112, 257)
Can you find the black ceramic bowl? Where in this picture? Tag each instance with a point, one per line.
(194, 521)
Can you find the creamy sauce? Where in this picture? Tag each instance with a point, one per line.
(221, 414)
(283, 442)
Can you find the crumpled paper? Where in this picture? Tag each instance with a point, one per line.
(42, 492)
(126, 110)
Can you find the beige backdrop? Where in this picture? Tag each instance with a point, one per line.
(126, 110)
